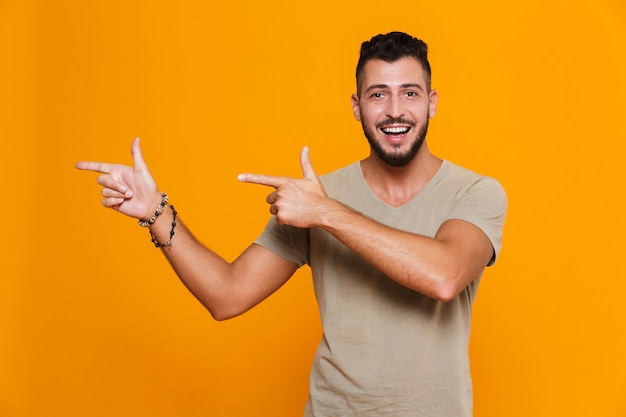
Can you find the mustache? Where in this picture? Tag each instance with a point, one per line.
(395, 121)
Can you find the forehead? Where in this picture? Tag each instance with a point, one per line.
(406, 70)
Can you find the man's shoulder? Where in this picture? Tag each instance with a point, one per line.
(457, 172)
(344, 173)
(467, 180)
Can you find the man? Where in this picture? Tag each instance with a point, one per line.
(396, 243)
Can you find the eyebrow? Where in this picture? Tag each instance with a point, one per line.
(385, 86)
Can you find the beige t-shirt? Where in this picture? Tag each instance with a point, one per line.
(388, 350)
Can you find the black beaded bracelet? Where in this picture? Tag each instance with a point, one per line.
(169, 241)
(157, 213)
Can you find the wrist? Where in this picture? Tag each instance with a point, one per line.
(153, 238)
(153, 215)
(331, 214)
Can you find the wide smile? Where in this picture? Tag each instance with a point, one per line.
(395, 130)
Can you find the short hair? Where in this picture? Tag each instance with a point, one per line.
(392, 47)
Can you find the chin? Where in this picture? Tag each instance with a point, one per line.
(397, 158)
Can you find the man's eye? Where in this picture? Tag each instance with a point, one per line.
(411, 94)
(377, 95)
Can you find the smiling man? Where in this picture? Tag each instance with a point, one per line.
(396, 242)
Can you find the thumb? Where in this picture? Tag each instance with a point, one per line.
(135, 150)
(305, 162)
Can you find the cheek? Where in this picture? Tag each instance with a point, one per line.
(423, 113)
(368, 115)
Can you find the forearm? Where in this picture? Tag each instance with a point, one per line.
(226, 289)
(207, 275)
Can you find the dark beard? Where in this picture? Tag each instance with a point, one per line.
(396, 159)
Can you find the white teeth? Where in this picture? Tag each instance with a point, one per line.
(395, 129)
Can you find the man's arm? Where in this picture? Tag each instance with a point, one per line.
(439, 267)
(225, 289)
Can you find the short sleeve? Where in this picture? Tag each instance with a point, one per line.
(287, 242)
(484, 204)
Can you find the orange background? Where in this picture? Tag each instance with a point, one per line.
(94, 323)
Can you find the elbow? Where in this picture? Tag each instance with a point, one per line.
(221, 306)
(223, 313)
(447, 287)
(445, 294)
(218, 316)
(222, 316)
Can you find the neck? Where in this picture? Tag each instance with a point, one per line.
(397, 185)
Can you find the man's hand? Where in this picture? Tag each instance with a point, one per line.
(296, 202)
(129, 190)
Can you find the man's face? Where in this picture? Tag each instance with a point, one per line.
(394, 107)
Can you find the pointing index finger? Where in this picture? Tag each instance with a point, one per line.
(102, 167)
(267, 180)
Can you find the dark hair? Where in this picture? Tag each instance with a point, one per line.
(390, 48)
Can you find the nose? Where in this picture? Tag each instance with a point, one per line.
(395, 107)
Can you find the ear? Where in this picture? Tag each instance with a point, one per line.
(433, 98)
(356, 108)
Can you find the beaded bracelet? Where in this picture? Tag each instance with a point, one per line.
(169, 241)
(157, 213)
